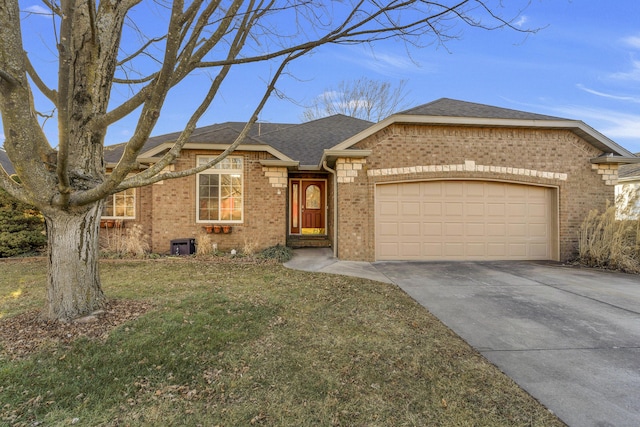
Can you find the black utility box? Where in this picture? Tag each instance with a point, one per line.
(183, 247)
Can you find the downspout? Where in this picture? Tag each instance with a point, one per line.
(335, 207)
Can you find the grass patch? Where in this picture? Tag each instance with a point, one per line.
(254, 344)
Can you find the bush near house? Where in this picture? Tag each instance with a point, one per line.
(608, 241)
(21, 227)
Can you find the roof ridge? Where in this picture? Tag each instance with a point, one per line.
(449, 107)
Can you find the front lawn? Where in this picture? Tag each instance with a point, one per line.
(235, 344)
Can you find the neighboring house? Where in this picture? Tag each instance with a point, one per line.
(628, 191)
(448, 180)
(5, 163)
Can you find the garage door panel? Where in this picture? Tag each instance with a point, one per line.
(453, 189)
(461, 220)
(454, 250)
(389, 208)
(388, 250)
(410, 250)
(432, 229)
(474, 209)
(496, 209)
(453, 229)
(538, 230)
(410, 229)
(539, 250)
(410, 189)
(537, 210)
(496, 250)
(432, 208)
(496, 230)
(476, 249)
(431, 250)
(388, 229)
(453, 209)
(519, 230)
(518, 250)
(475, 229)
(410, 209)
(518, 210)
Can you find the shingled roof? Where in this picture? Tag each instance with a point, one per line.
(446, 107)
(221, 133)
(630, 171)
(306, 142)
(6, 163)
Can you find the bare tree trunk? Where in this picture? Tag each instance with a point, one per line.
(73, 282)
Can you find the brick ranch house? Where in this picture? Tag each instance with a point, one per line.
(448, 180)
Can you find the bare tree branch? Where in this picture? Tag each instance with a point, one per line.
(51, 94)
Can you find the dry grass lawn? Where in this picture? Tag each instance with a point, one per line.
(246, 343)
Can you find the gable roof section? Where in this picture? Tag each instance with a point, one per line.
(446, 111)
(306, 142)
(6, 163)
(222, 134)
(302, 143)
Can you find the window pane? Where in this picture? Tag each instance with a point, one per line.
(220, 190)
(313, 197)
(208, 191)
(120, 205)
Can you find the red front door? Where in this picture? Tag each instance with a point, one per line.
(308, 207)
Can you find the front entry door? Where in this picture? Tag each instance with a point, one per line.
(308, 207)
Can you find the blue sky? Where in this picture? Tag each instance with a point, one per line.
(583, 64)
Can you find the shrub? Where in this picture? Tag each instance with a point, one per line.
(121, 241)
(278, 253)
(607, 242)
(204, 245)
(22, 229)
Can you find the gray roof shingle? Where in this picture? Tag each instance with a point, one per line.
(446, 107)
(630, 171)
(307, 141)
(303, 142)
(222, 133)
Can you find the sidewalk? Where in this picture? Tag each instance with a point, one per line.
(322, 260)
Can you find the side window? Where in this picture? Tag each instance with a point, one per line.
(120, 205)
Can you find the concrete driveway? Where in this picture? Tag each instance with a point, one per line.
(569, 336)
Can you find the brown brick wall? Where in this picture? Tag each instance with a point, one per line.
(555, 158)
(168, 209)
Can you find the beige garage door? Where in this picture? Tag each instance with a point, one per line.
(465, 220)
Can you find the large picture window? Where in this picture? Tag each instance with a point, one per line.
(121, 205)
(220, 191)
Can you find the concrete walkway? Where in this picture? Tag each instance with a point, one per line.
(568, 336)
(322, 260)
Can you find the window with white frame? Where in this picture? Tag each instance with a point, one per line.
(121, 205)
(220, 191)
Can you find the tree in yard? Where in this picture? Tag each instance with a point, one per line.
(364, 99)
(66, 179)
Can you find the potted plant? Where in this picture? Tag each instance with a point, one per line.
(226, 229)
(208, 228)
(217, 229)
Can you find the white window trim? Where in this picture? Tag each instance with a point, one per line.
(135, 202)
(219, 171)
